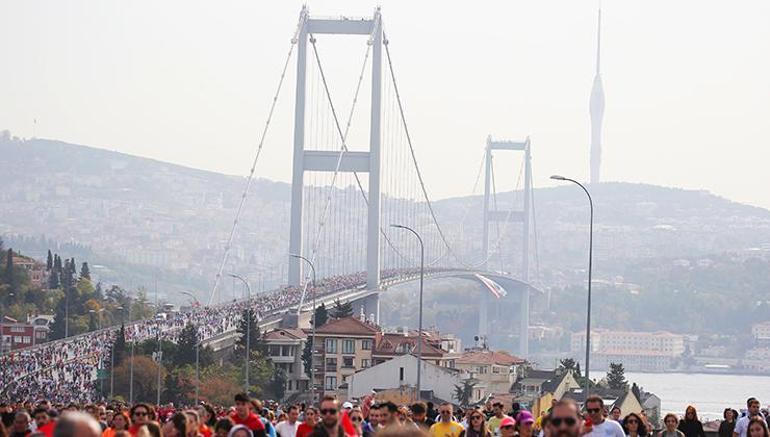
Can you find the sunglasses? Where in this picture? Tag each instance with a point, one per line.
(475, 417)
(632, 422)
(140, 413)
(356, 419)
(569, 421)
(507, 427)
(593, 410)
(445, 412)
(328, 411)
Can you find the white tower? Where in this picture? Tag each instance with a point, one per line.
(597, 109)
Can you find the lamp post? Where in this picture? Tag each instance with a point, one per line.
(248, 329)
(419, 322)
(97, 314)
(590, 266)
(312, 338)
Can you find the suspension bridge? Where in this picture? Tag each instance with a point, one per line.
(351, 180)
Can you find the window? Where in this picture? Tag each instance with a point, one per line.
(331, 383)
(348, 346)
(331, 345)
(290, 384)
(364, 363)
(331, 364)
(347, 362)
(366, 344)
(400, 373)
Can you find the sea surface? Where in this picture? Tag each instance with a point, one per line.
(710, 394)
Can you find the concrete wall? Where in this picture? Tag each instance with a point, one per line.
(387, 376)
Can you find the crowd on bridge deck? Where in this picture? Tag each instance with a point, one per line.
(73, 362)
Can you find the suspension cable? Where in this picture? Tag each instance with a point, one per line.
(250, 178)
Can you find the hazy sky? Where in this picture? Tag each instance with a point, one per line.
(687, 83)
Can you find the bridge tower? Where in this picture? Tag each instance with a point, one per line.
(522, 216)
(326, 160)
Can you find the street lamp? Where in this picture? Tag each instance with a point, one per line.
(197, 349)
(419, 329)
(97, 314)
(312, 338)
(590, 265)
(248, 328)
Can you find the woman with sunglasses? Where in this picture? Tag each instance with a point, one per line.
(477, 425)
(691, 426)
(671, 422)
(633, 426)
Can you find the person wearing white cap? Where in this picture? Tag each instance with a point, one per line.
(347, 406)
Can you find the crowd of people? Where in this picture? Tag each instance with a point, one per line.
(248, 417)
(69, 367)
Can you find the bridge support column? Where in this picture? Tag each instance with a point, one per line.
(327, 160)
(372, 307)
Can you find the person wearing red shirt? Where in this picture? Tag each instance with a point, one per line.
(44, 423)
(244, 416)
(311, 418)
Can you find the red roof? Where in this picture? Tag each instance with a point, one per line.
(285, 334)
(399, 344)
(348, 326)
(489, 357)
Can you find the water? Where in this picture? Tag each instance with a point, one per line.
(709, 394)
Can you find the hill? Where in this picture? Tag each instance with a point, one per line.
(142, 219)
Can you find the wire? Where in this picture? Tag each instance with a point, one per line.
(250, 178)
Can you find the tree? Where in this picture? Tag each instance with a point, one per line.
(307, 355)
(119, 345)
(85, 272)
(342, 310)
(464, 392)
(49, 261)
(9, 276)
(186, 348)
(145, 378)
(568, 364)
(578, 373)
(321, 315)
(277, 384)
(616, 378)
(248, 324)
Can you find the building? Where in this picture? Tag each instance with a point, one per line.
(343, 347)
(38, 276)
(495, 370)
(638, 351)
(625, 399)
(284, 348)
(761, 331)
(16, 335)
(538, 388)
(401, 373)
(393, 344)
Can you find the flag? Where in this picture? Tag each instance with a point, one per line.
(496, 289)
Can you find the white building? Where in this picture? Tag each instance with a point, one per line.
(402, 371)
(761, 331)
(637, 350)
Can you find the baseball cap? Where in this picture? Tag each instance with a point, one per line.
(508, 421)
(525, 416)
(347, 406)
